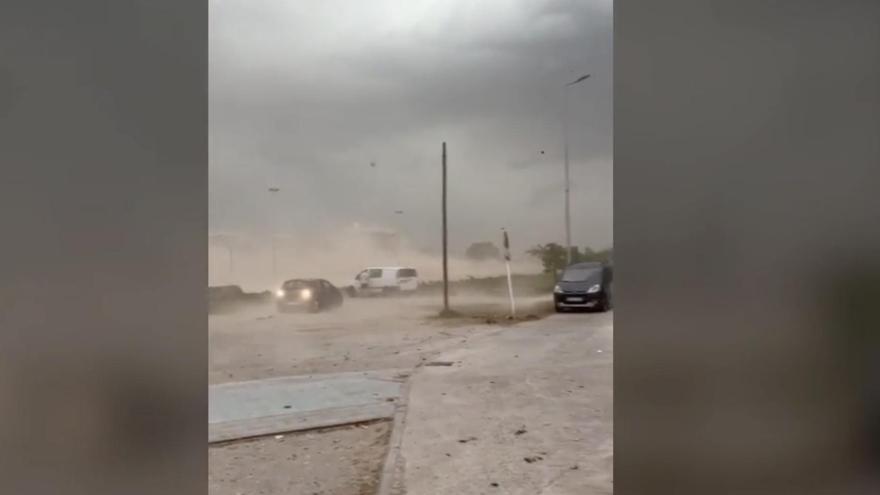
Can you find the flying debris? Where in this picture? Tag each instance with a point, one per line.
(582, 78)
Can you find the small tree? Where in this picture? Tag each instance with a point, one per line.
(602, 256)
(586, 255)
(552, 256)
(605, 255)
(482, 251)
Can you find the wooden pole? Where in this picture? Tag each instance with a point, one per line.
(445, 239)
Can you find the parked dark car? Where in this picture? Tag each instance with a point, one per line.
(311, 295)
(584, 286)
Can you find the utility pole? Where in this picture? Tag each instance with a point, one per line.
(565, 158)
(445, 241)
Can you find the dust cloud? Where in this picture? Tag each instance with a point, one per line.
(246, 259)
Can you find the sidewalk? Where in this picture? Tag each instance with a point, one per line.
(257, 408)
(526, 410)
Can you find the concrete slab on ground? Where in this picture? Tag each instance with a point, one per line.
(525, 410)
(264, 407)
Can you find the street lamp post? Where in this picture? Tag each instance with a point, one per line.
(565, 159)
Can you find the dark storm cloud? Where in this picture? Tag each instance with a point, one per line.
(306, 96)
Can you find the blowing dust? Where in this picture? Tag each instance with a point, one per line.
(247, 260)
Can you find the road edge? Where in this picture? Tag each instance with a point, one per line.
(391, 478)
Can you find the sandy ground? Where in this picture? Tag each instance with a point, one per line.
(338, 461)
(365, 334)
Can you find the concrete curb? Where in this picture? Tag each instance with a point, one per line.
(391, 480)
(290, 423)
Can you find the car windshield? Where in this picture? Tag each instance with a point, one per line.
(583, 274)
(297, 284)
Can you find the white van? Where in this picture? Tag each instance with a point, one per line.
(385, 279)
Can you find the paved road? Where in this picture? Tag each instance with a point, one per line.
(540, 391)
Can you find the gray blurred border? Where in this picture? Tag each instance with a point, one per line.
(103, 211)
(747, 153)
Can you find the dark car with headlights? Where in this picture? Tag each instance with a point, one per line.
(310, 295)
(584, 286)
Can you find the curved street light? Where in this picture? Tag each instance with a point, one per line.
(565, 158)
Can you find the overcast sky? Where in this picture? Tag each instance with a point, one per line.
(305, 95)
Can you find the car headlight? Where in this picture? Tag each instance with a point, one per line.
(594, 289)
(279, 293)
(557, 290)
(306, 294)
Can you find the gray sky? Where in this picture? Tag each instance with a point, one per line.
(306, 94)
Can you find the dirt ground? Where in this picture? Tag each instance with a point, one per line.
(365, 334)
(337, 461)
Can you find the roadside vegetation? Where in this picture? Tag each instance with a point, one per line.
(523, 284)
